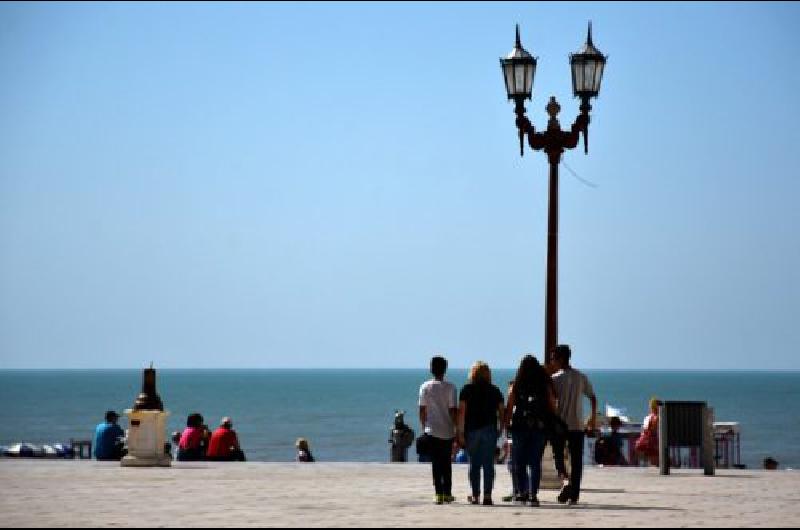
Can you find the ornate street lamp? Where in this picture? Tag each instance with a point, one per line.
(587, 73)
(519, 68)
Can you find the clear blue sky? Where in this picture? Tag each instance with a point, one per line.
(338, 185)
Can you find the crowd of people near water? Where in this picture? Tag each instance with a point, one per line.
(544, 405)
(475, 425)
(196, 443)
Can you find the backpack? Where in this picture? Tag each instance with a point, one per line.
(529, 411)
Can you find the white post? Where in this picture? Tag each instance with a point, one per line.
(663, 446)
(146, 439)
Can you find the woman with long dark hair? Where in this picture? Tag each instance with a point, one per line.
(531, 406)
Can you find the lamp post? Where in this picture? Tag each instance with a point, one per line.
(519, 69)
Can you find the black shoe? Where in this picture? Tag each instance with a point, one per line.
(535, 502)
(487, 501)
(564, 496)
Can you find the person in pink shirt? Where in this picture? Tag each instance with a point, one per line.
(192, 446)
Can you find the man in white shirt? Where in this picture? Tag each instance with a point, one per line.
(437, 413)
(571, 387)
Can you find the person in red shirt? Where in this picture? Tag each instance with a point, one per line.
(224, 444)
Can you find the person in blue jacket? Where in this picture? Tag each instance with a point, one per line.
(109, 439)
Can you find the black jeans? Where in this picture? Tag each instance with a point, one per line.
(442, 465)
(574, 441)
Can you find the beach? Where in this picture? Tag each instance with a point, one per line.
(83, 493)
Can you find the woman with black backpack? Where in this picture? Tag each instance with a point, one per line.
(531, 409)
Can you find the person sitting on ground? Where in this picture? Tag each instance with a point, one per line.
(109, 439)
(304, 451)
(224, 444)
(176, 443)
(647, 444)
(191, 447)
(609, 448)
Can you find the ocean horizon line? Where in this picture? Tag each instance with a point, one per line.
(390, 369)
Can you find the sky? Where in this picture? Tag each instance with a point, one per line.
(339, 186)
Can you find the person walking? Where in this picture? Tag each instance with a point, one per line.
(437, 415)
(531, 405)
(571, 386)
(481, 406)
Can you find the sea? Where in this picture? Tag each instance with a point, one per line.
(347, 414)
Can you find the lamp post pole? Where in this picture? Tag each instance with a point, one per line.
(553, 141)
(551, 294)
(587, 71)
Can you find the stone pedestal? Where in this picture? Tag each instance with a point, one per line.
(146, 439)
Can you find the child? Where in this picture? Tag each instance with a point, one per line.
(304, 451)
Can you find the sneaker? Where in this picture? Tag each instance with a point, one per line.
(473, 500)
(534, 502)
(439, 500)
(572, 502)
(448, 499)
(509, 498)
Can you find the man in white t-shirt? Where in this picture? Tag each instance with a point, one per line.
(437, 413)
(571, 387)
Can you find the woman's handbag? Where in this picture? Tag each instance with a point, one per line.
(424, 445)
